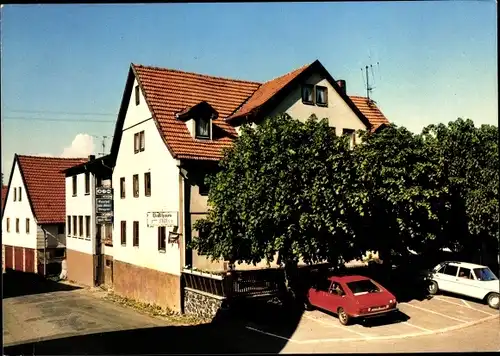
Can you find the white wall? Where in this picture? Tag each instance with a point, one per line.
(164, 192)
(18, 209)
(339, 114)
(80, 205)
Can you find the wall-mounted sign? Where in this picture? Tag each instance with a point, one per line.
(104, 205)
(162, 218)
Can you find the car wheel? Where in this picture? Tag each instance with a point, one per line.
(493, 300)
(344, 318)
(433, 288)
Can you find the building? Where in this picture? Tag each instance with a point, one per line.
(88, 241)
(33, 218)
(4, 194)
(170, 132)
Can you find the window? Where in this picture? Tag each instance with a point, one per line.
(109, 262)
(139, 142)
(87, 183)
(60, 229)
(162, 238)
(74, 186)
(20, 194)
(8, 224)
(135, 241)
(203, 128)
(307, 94)
(362, 287)
(15, 194)
(450, 270)
(352, 136)
(80, 226)
(17, 224)
(87, 227)
(137, 95)
(465, 273)
(484, 274)
(69, 225)
(337, 289)
(147, 184)
(142, 142)
(74, 226)
(27, 226)
(135, 185)
(122, 187)
(59, 252)
(123, 236)
(321, 96)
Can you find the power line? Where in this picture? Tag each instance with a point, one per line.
(62, 112)
(55, 120)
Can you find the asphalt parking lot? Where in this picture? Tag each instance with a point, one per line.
(438, 314)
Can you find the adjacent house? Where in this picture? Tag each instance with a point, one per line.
(4, 194)
(170, 132)
(33, 236)
(88, 241)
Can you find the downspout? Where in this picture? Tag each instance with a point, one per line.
(44, 252)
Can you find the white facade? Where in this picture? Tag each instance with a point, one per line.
(156, 160)
(18, 210)
(81, 204)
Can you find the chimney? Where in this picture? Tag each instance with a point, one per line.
(91, 157)
(341, 83)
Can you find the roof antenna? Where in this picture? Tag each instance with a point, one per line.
(369, 86)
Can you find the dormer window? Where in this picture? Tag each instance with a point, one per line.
(203, 128)
(137, 95)
(307, 94)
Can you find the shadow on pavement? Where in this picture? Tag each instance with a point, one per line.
(225, 334)
(393, 318)
(16, 284)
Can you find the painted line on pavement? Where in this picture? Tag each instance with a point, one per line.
(270, 334)
(403, 336)
(418, 327)
(460, 305)
(437, 313)
(336, 326)
(467, 304)
(376, 338)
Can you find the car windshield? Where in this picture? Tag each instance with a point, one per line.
(363, 287)
(484, 274)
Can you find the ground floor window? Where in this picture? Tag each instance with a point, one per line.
(162, 238)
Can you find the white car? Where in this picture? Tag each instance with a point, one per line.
(468, 279)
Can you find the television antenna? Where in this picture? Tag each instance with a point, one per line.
(103, 144)
(365, 73)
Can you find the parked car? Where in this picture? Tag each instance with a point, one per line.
(468, 279)
(350, 297)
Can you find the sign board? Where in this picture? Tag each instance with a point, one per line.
(162, 218)
(104, 219)
(104, 205)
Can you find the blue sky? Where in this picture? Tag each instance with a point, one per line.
(438, 60)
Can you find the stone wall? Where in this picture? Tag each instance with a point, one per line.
(201, 304)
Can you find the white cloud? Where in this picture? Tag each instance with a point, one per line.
(44, 154)
(82, 146)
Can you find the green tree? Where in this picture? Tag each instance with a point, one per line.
(282, 188)
(398, 195)
(469, 159)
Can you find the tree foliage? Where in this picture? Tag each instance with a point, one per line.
(282, 188)
(399, 192)
(469, 159)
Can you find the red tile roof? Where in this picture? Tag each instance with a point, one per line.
(170, 91)
(371, 111)
(4, 194)
(266, 91)
(45, 185)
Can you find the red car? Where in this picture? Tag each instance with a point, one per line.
(351, 297)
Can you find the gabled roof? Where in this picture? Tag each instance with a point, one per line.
(169, 91)
(102, 166)
(4, 195)
(44, 183)
(370, 110)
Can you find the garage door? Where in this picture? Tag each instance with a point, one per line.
(9, 255)
(29, 260)
(18, 258)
